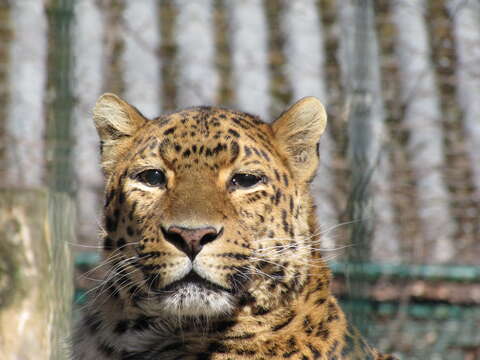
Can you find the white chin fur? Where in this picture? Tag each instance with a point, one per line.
(195, 301)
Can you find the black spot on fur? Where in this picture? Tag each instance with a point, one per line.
(284, 220)
(169, 131)
(107, 244)
(121, 197)
(112, 290)
(110, 224)
(307, 325)
(234, 151)
(288, 354)
(236, 256)
(234, 133)
(106, 349)
(142, 323)
(173, 346)
(277, 174)
(121, 243)
(323, 331)
(92, 322)
(244, 336)
(222, 326)
(204, 356)
(285, 323)
(132, 210)
(129, 231)
(239, 123)
(315, 352)
(216, 347)
(220, 147)
(320, 301)
(109, 197)
(333, 350)
(278, 195)
(265, 155)
(121, 327)
(259, 310)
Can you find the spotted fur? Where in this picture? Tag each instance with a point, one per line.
(260, 289)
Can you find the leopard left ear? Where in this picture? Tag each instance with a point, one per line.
(297, 132)
(115, 120)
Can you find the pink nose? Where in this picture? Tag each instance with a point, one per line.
(190, 241)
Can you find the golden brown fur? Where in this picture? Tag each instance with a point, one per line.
(254, 287)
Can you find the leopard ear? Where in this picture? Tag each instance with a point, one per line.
(115, 120)
(297, 132)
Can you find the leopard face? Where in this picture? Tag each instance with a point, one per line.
(207, 209)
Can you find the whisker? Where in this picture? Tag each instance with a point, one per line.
(105, 262)
(110, 275)
(112, 257)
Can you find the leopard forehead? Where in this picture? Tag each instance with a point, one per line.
(212, 134)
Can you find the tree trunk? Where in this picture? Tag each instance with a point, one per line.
(198, 80)
(25, 123)
(88, 70)
(374, 230)
(423, 119)
(250, 78)
(466, 18)
(140, 58)
(35, 274)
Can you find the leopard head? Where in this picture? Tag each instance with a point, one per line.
(208, 209)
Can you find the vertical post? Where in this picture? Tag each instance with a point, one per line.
(371, 207)
(88, 75)
(59, 124)
(24, 122)
(140, 61)
(248, 31)
(466, 22)
(198, 80)
(362, 153)
(360, 136)
(423, 118)
(35, 274)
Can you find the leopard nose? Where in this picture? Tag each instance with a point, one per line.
(190, 241)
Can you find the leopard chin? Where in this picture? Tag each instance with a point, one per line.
(195, 297)
(197, 301)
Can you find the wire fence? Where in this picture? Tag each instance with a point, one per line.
(400, 161)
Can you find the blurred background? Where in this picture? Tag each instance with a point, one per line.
(398, 189)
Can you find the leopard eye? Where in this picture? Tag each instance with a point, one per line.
(242, 180)
(152, 177)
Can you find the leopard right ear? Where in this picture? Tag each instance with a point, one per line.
(297, 132)
(115, 120)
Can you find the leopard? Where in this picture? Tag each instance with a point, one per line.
(210, 240)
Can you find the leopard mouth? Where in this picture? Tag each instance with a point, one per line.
(193, 280)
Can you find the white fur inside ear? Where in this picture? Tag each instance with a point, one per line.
(113, 117)
(303, 123)
(297, 133)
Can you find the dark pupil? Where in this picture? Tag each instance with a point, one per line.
(245, 180)
(152, 177)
